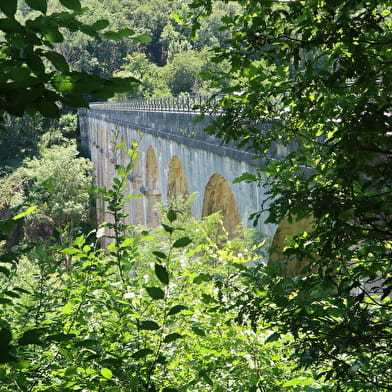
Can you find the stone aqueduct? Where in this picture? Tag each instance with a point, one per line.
(175, 158)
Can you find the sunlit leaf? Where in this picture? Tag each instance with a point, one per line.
(107, 373)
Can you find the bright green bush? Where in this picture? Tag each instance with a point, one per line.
(145, 314)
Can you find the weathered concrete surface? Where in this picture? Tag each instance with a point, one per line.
(176, 156)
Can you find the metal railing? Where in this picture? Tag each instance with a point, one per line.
(185, 103)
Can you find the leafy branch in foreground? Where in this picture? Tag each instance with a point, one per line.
(144, 314)
(35, 77)
(310, 91)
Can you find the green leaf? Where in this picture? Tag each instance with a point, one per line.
(159, 254)
(73, 5)
(36, 64)
(32, 336)
(107, 373)
(63, 83)
(10, 293)
(40, 5)
(121, 171)
(119, 35)
(79, 241)
(298, 381)
(5, 337)
(198, 331)
(167, 389)
(273, 337)
(142, 353)
(5, 271)
(60, 337)
(48, 109)
(167, 228)
(149, 325)
(177, 18)
(8, 257)
(171, 215)
(161, 273)
(27, 212)
(182, 242)
(155, 292)
(176, 309)
(143, 38)
(21, 290)
(100, 24)
(247, 177)
(202, 277)
(6, 226)
(67, 308)
(57, 60)
(9, 7)
(171, 337)
(54, 35)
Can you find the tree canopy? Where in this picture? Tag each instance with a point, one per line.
(318, 74)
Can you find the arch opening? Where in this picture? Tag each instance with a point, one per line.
(287, 228)
(151, 191)
(177, 184)
(218, 196)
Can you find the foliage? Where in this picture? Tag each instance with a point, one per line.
(152, 82)
(183, 72)
(121, 321)
(35, 76)
(19, 139)
(311, 81)
(58, 183)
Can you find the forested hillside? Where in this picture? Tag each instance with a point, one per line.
(184, 307)
(165, 59)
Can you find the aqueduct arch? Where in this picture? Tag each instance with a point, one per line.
(286, 228)
(152, 189)
(177, 184)
(218, 196)
(136, 181)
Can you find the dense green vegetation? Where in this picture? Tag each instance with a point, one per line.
(179, 308)
(319, 72)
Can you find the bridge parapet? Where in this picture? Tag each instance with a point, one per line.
(177, 119)
(187, 104)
